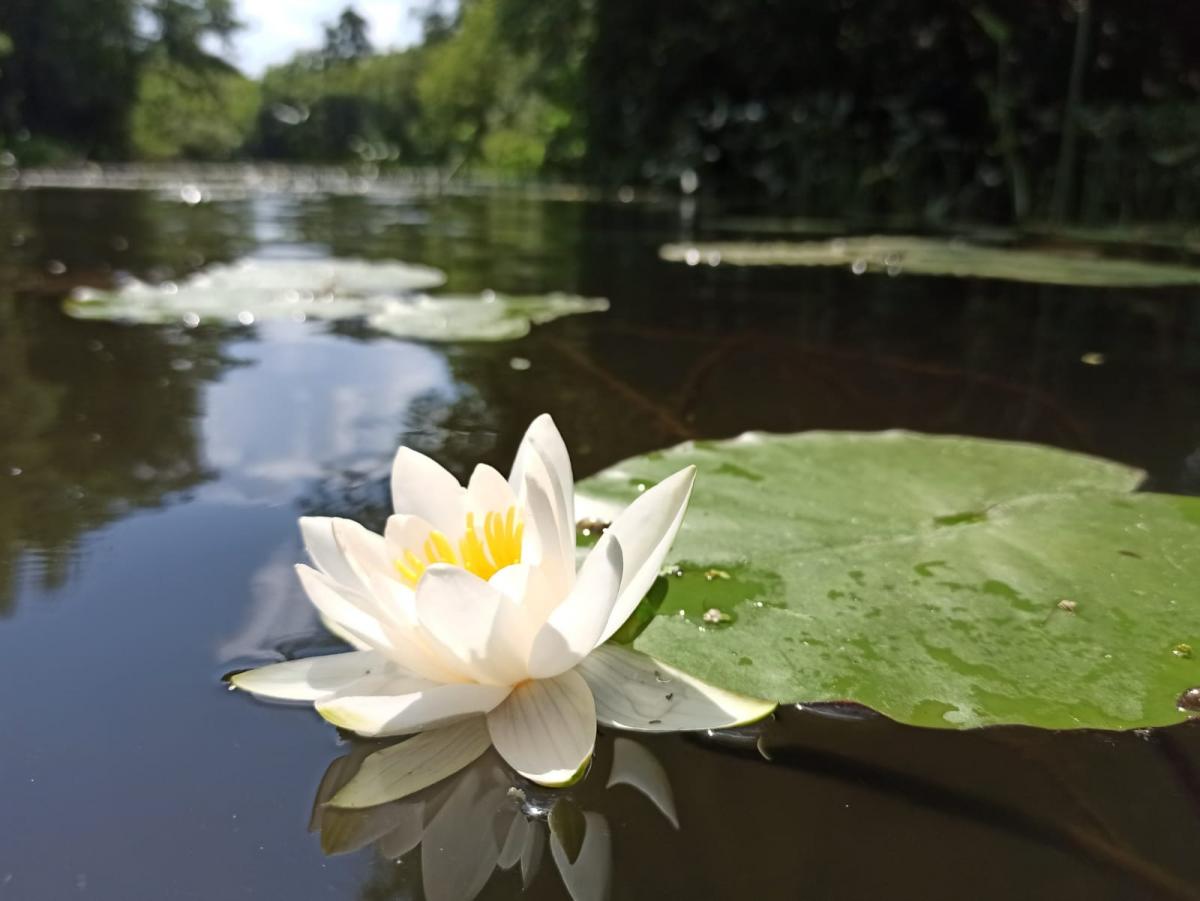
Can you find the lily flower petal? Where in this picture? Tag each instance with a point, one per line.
(575, 626)
(317, 532)
(356, 618)
(414, 764)
(636, 692)
(542, 545)
(546, 729)
(312, 678)
(347, 613)
(410, 705)
(488, 491)
(475, 623)
(367, 556)
(543, 439)
(646, 529)
(422, 487)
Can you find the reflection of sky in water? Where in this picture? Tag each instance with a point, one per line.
(310, 404)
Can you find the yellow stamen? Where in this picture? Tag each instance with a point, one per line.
(482, 551)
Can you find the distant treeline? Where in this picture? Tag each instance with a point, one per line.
(996, 109)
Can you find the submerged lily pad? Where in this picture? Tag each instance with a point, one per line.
(942, 581)
(384, 293)
(485, 317)
(938, 256)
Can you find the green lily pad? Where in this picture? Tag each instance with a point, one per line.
(936, 256)
(385, 293)
(942, 581)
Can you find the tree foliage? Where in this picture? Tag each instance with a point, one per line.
(993, 109)
(184, 113)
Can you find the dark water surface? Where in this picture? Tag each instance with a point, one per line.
(150, 479)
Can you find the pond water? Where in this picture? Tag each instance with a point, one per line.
(151, 476)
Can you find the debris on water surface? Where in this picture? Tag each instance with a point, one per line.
(713, 615)
(716, 574)
(1067, 606)
(1182, 650)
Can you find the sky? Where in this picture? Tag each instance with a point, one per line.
(275, 29)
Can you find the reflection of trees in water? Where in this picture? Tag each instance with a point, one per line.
(509, 244)
(97, 233)
(95, 420)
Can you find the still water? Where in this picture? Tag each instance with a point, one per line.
(151, 476)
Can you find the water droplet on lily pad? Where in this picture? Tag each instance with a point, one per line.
(1189, 701)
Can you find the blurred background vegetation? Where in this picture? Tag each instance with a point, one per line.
(997, 110)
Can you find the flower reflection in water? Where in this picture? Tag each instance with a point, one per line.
(485, 817)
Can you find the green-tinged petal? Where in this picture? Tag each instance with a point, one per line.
(310, 679)
(407, 767)
(638, 693)
(546, 729)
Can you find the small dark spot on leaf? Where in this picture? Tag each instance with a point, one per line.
(926, 568)
(656, 722)
(670, 695)
(1134, 554)
(959, 519)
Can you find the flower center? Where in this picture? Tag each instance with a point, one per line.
(482, 551)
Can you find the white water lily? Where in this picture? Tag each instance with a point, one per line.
(471, 624)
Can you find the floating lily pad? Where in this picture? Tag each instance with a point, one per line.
(942, 581)
(936, 256)
(485, 317)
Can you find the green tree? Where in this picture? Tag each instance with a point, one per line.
(181, 27)
(348, 38)
(185, 113)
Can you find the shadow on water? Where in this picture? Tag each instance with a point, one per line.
(161, 470)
